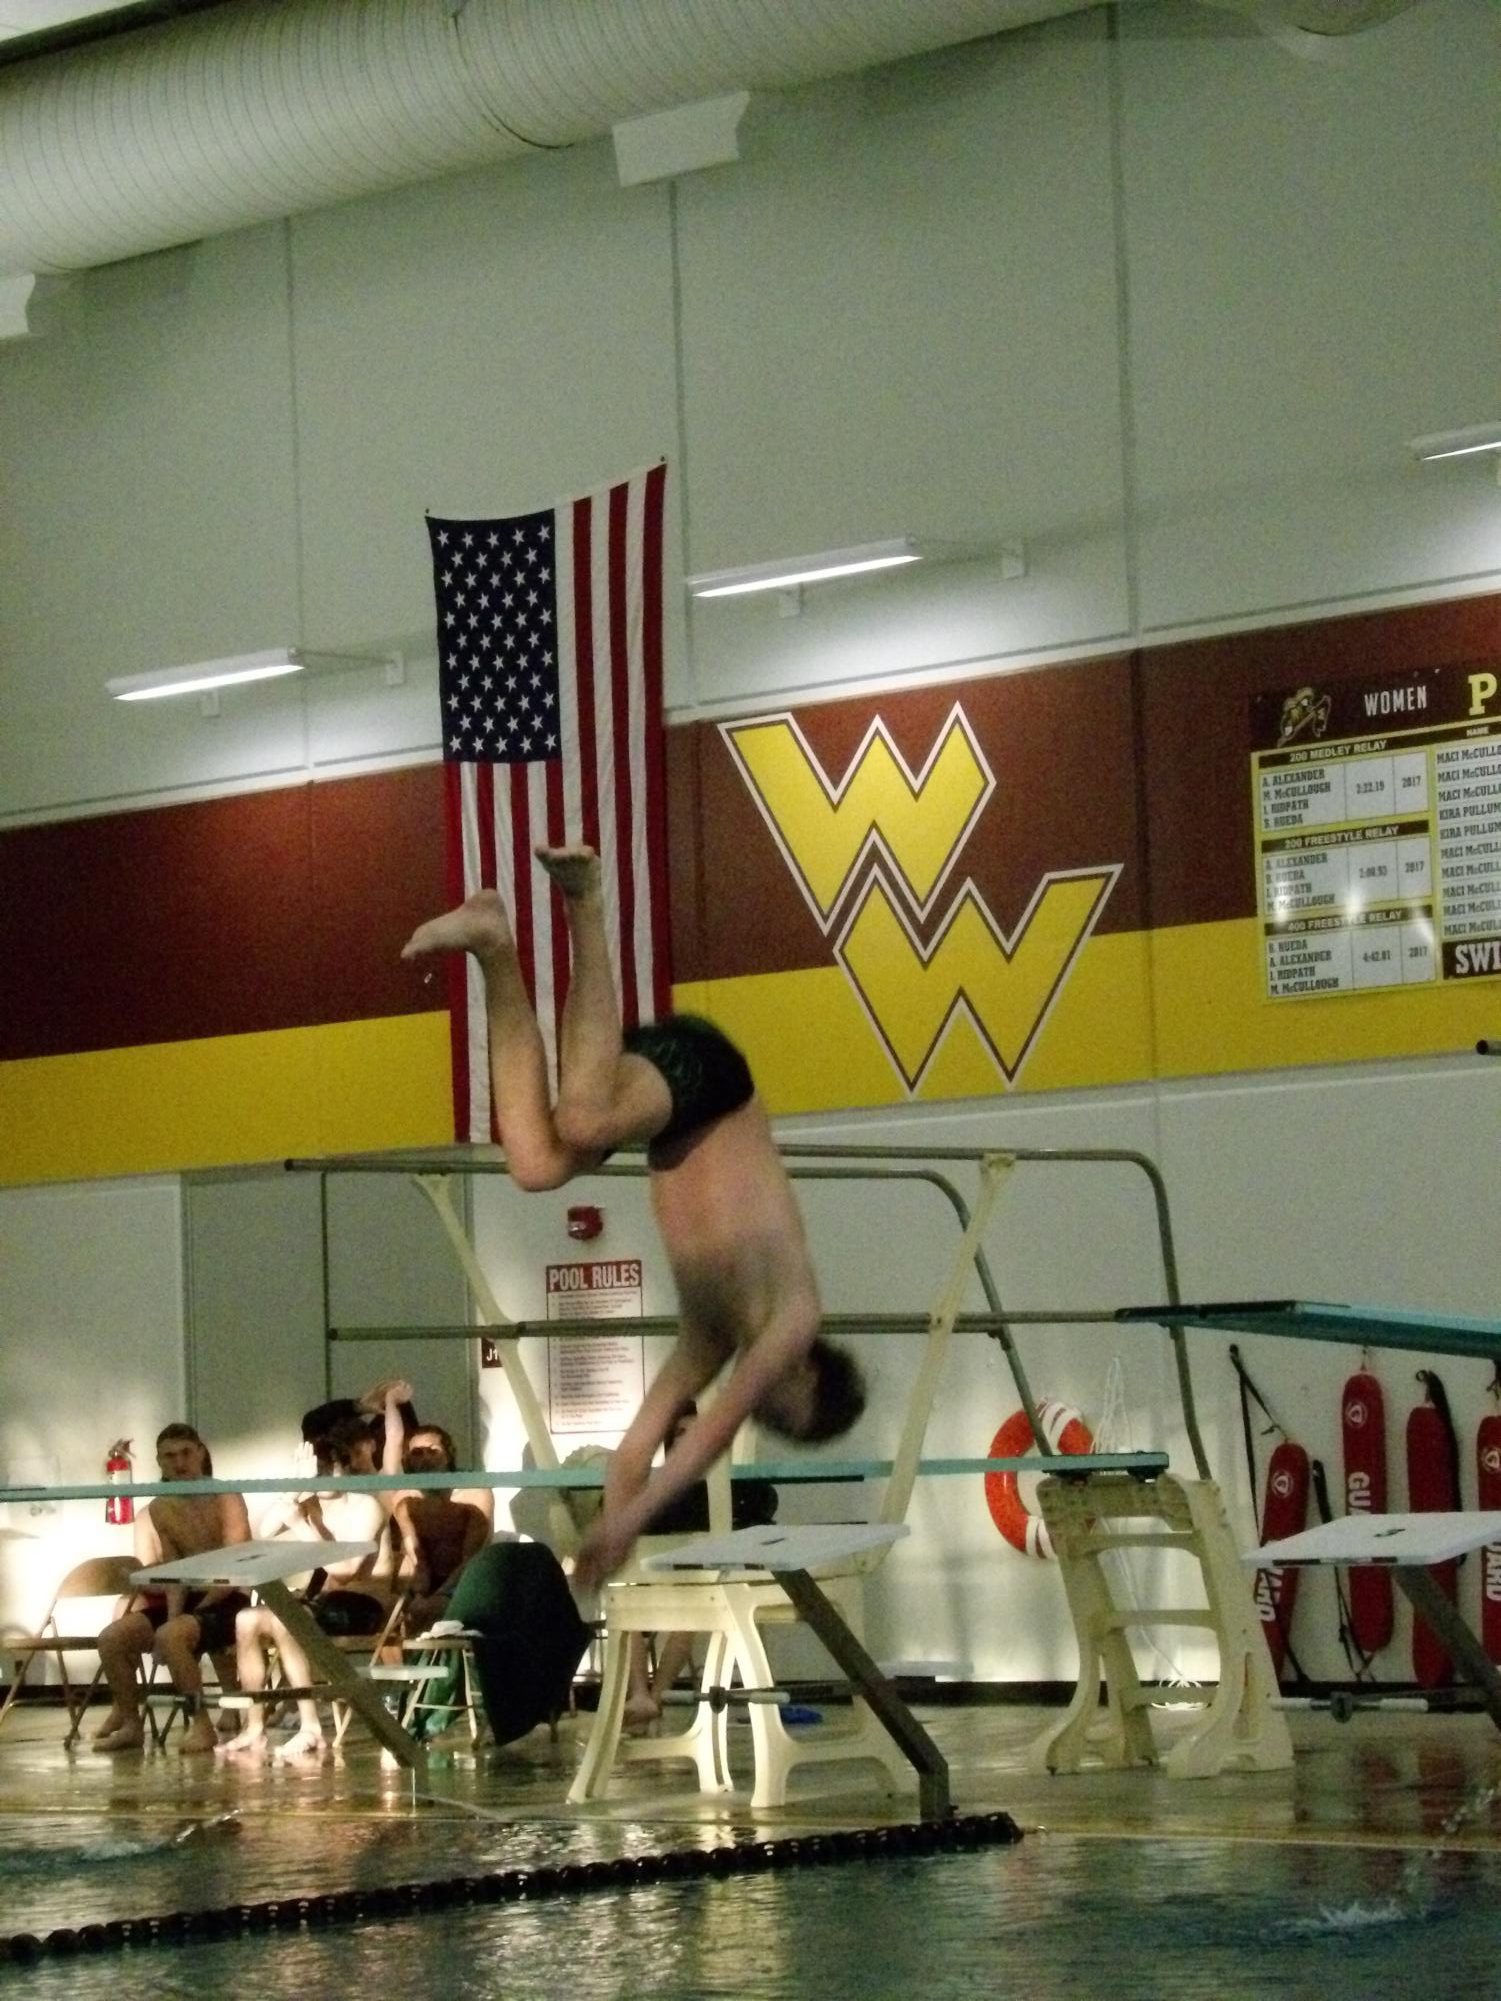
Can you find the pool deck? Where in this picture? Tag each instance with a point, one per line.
(1388, 1779)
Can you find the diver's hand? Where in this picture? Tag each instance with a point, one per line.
(604, 1550)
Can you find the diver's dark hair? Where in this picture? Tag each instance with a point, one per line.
(838, 1396)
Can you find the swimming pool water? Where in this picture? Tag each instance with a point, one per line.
(1057, 1918)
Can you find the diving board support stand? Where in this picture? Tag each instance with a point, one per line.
(499, 1328)
(865, 1677)
(1099, 1515)
(787, 1553)
(1407, 1545)
(1435, 1605)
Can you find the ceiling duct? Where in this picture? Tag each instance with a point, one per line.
(266, 108)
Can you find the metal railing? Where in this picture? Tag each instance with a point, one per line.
(816, 1161)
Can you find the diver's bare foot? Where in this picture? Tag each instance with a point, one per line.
(199, 1738)
(574, 870)
(129, 1737)
(641, 1712)
(116, 1720)
(478, 925)
(303, 1749)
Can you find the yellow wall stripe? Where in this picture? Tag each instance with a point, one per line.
(227, 1100)
(813, 1047)
(363, 1085)
(1213, 1016)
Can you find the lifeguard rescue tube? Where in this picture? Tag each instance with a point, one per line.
(1065, 1431)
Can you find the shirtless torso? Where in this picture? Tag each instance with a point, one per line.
(346, 1518)
(439, 1535)
(733, 1234)
(190, 1524)
(174, 1526)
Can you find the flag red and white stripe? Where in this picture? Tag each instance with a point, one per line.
(590, 771)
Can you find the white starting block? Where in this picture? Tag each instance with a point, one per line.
(779, 1549)
(264, 1567)
(1407, 1545)
(789, 1553)
(247, 1565)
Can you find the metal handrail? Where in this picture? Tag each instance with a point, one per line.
(469, 1161)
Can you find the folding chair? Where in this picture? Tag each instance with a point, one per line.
(96, 1577)
(279, 1692)
(429, 1659)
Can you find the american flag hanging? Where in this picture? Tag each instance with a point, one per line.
(550, 681)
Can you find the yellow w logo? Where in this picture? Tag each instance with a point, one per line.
(920, 821)
(914, 825)
(1006, 985)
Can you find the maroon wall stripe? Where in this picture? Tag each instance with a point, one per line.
(288, 909)
(264, 910)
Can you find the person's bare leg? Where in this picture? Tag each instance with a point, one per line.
(121, 1647)
(252, 1632)
(229, 1682)
(518, 1062)
(175, 1644)
(641, 1707)
(673, 1655)
(605, 1098)
(308, 1742)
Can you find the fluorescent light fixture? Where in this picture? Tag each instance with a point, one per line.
(794, 570)
(206, 674)
(1460, 444)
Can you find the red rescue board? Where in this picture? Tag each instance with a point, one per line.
(1284, 1511)
(1488, 1485)
(1363, 1429)
(1431, 1486)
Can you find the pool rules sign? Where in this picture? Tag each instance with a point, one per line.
(594, 1382)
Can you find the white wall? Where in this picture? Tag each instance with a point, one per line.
(256, 1321)
(91, 1312)
(1156, 293)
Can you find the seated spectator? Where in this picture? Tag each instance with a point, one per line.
(348, 1598)
(175, 1622)
(398, 1427)
(319, 1424)
(439, 1534)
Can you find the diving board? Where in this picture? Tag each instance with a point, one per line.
(1322, 1320)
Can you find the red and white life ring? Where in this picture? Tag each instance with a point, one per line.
(1065, 1431)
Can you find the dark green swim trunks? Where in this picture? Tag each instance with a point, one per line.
(701, 1067)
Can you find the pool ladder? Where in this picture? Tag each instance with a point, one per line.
(1241, 1728)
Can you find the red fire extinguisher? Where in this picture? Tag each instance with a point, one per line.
(120, 1473)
